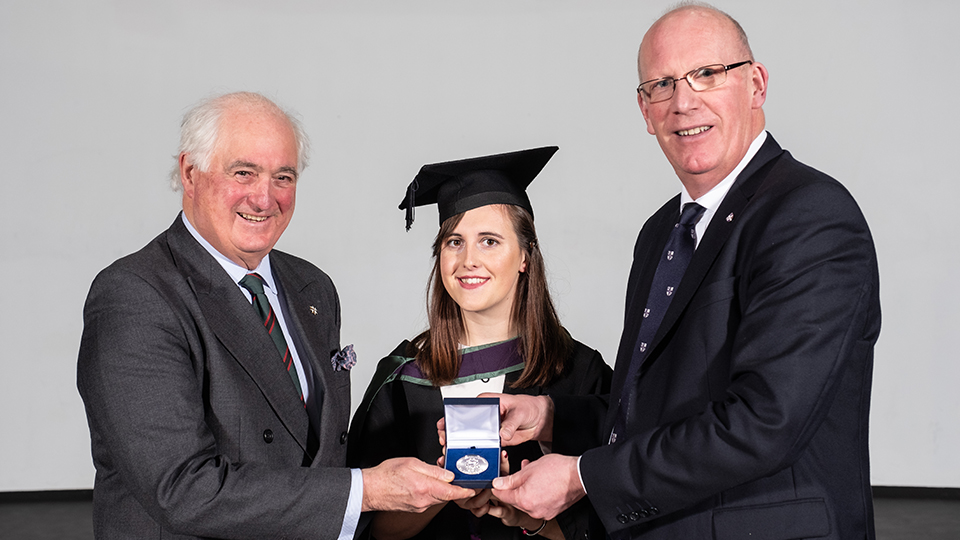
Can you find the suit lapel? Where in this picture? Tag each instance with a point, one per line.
(717, 234)
(230, 316)
(311, 344)
(645, 259)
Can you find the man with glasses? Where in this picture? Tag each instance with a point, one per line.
(741, 393)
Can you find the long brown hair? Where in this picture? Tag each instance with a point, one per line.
(543, 343)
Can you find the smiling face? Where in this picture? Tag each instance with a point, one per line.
(480, 265)
(245, 201)
(704, 134)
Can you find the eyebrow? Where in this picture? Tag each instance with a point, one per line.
(246, 164)
(482, 233)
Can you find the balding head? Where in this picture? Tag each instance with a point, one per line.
(702, 9)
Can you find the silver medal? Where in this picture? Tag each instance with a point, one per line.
(472, 464)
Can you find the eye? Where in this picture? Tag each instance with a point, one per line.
(661, 84)
(489, 242)
(707, 72)
(454, 242)
(245, 175)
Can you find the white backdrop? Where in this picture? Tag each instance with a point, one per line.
(92, 93)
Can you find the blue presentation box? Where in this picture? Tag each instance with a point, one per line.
(473, 440)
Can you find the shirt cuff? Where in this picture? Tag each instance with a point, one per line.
(351, 516)
(580, 476)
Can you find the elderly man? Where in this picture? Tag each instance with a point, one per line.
(209, 416)
(740, 399)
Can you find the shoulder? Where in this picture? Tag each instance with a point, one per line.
(585, 372)
(580, 353)
(299, 272)
(799, 193)
(143, 273)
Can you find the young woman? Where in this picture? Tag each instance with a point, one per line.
(493, 328)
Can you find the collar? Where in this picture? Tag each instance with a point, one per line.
(712, 199)
(234, 270)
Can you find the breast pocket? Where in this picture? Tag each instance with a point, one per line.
(712, 293)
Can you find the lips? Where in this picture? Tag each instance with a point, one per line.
(471, 282)
(693, 131)
(251, 217)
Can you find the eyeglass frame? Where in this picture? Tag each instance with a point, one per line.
(686, 77)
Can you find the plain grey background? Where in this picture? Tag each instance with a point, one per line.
(93, 91)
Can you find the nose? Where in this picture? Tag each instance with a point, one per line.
(685, 98)
(260, 196)
(471, 256)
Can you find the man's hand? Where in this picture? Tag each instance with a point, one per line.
(543, 488)
(522, 418)
(408, 485)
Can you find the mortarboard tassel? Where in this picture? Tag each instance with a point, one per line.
(411, 191)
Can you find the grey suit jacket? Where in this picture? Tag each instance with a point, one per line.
(749, 417)
(196, 428)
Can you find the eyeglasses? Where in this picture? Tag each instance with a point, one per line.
(700, 79)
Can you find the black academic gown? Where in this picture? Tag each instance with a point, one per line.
(398, 418)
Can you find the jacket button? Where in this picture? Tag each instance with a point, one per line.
(343, 438)
(654, 510)
(586, 535)
(267, 436)
(622, 518)
(634, 516)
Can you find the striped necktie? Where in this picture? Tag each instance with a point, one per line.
(254, 284)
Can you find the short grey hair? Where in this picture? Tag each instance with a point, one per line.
(201, 126)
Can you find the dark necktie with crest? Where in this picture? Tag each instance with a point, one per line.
(673, 263)
(254, 283)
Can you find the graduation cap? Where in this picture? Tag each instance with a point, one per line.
(458, 186)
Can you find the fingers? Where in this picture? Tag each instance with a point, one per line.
(505, 487)
(442, 432)
(408, 485)
(437, 472)
(542, 489)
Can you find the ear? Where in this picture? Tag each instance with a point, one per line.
(523, 263)
(644, 109)
(759, 78)
(188, 175)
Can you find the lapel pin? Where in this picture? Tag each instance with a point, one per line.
(313, 310)
(730, 217)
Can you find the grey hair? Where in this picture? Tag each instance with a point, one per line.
(201, 126)
(689, 5)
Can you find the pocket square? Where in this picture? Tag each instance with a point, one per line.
(344, 359)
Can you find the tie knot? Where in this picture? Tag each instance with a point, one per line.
(253, 283)
(691, 214)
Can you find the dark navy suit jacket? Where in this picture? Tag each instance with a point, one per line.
(749, 417)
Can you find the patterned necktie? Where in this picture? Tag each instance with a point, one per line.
(254, 284)
(673, 263)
